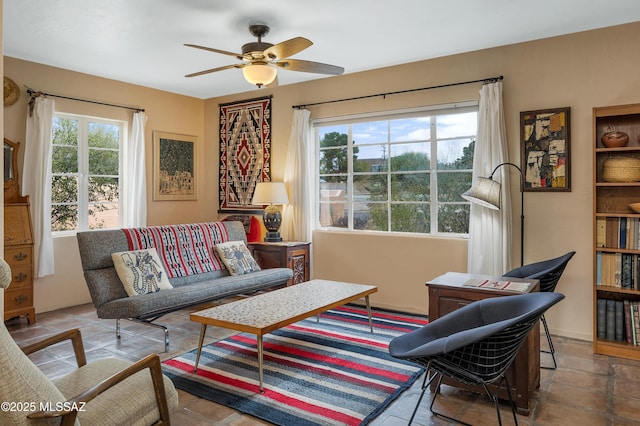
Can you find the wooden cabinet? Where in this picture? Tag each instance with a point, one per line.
(448, 293)
(292, 255)
(18, 243)
(616, 231)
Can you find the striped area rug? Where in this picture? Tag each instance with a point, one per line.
(331, 372)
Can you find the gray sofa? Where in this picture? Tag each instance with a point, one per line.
(111, 300)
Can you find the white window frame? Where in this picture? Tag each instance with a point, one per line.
(433, 111)
(83, 167)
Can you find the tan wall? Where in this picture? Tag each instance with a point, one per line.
(582, 71)
(165, 111)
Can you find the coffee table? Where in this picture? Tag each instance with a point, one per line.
(276, 309)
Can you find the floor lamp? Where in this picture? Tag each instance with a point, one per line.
(487, 193)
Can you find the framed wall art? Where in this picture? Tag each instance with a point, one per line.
(245, 153)
(545, 141)
(174, 166)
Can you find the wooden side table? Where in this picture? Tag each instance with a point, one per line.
(286, 254)
(448, 293)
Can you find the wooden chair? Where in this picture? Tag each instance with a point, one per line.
(105, 392)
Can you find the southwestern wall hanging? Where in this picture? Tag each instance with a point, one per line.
(245, 152)
(545, 149)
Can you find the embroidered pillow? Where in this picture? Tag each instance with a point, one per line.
(236, 257)
(140, 271)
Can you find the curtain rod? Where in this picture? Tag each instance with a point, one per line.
(36, 93)
(484, 81)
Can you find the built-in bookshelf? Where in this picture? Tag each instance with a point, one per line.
(616, 329)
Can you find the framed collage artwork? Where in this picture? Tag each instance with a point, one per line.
(545, 142)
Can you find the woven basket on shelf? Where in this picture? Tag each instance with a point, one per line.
(621, 169)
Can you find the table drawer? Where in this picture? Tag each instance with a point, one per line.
(17, 299)
(21, 277)
(18, 256)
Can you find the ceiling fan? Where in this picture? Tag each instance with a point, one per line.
(262, 59)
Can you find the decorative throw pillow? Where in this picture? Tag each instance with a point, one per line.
(236, 257)
(141, 271)
(254, 230)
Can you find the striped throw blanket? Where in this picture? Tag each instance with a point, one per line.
(184, 250)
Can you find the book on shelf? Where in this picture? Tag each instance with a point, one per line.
(601, 323)
(618, 232)
(619, 328)
(618, 320)
(627, 321)
(633, 321)
(620, 270)
(626, 274)
(612, 230)
(622, 233)
(610, 320)
(635, 310)
(601, 231)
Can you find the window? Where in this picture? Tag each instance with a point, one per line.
(398, 172)
(85, 183)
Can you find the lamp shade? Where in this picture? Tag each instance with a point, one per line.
(270, 193)
(259, 73)
(485, 192)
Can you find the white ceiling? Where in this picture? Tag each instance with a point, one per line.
(141, 41)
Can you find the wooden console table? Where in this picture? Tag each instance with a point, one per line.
(286, 254)
(448, 293)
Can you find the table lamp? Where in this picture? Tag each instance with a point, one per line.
(273, 194)
(487, 193)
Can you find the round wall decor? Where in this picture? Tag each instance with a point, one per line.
(11, 92)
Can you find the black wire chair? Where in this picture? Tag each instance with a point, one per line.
(549, 273)
(474, 345)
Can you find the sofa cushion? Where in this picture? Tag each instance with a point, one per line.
(140, 271)
(185, 249)
(179, 297)
(250, 223)
(236, 257)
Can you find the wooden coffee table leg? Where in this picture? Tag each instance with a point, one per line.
(366, 299)
(203, 330)
(260, 362)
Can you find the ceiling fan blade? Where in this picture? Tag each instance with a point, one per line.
(308, 66)
(226, 67)
(287, 48)
(211, 49)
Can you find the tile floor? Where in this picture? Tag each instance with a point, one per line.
(586, 389)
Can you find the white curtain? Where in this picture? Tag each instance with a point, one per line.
(490, 231)
(299, 178)
(36, 182)
(134, 206)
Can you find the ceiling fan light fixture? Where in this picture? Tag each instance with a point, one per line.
(259, 74)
